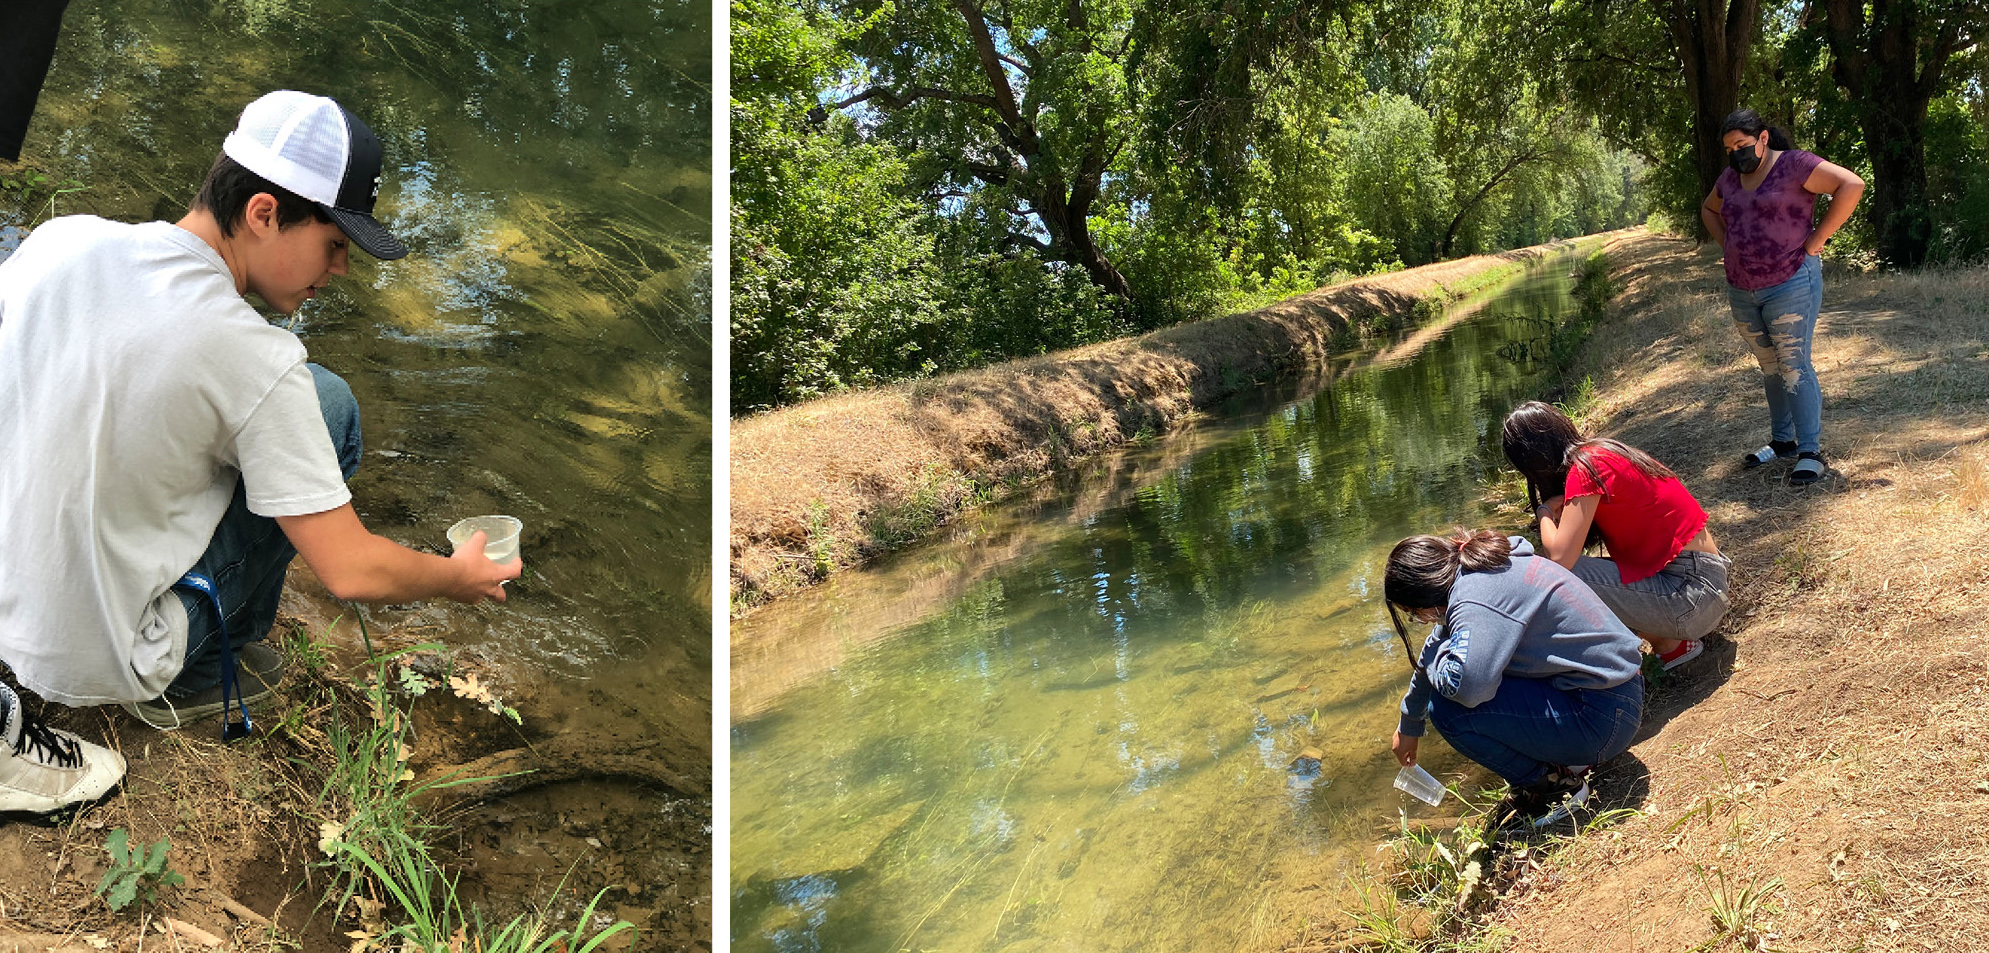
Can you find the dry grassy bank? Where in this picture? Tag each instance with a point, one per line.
(821, 486)
(1820, 779)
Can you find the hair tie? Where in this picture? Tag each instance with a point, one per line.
(1466, 541)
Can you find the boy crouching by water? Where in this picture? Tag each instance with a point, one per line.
(164, 451)
(1526, 671)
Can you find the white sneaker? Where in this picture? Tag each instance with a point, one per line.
(1564, 808)
(43, 769)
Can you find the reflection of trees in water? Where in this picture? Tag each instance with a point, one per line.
(1130, 639)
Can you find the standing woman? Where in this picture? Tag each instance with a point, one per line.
(1527, 672)
(1760, 211)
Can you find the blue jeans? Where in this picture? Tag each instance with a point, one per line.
(1779, 323)
(1530, 727)
(249, 554)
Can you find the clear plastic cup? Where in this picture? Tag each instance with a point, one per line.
(1418, 783)
(500, 536)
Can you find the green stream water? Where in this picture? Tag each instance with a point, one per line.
(543, 351)
(1070, 726)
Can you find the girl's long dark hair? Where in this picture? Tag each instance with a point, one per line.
(1421, 570)
(1750, 122)
(1543, 445)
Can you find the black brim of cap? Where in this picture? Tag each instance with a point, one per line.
(371, 237)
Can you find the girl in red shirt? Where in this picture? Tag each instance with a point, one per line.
(1664, 577)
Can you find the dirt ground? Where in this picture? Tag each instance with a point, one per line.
(1821, 776)
(243, 820)
(804, 506)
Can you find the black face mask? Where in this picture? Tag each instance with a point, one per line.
(1743, 159)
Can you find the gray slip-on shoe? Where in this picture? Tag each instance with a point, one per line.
(258, 670)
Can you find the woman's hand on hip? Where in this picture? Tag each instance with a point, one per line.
(1404, 748)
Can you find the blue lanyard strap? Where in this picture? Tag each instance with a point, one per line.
(230, 730)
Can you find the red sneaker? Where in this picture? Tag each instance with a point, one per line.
(1685, 652)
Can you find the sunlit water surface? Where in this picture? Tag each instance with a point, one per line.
(1072, 725)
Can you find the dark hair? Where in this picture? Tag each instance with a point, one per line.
(229, 187)
(1543, 445)
(1750, 122)
(1421, 570)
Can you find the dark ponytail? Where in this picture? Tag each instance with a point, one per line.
(1421, 570)
(1750, 122)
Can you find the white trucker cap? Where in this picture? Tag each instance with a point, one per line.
(314, 147)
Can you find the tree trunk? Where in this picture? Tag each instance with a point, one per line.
(1062, 208)
(1457, 221)
(1892, 76)
(1895, 137)
(1071, 241)
(1713, 38)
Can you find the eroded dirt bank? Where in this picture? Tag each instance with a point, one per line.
(1819, 780)
(576, 806)
(821, 486)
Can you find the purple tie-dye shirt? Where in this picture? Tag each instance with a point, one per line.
(1766, 227)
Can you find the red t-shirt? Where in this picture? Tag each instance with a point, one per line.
(1645, 522)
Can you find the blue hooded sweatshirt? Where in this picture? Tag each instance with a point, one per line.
(1531, 619)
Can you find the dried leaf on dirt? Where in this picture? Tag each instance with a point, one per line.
(467, 687)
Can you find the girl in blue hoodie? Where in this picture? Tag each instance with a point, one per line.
(1526, 671)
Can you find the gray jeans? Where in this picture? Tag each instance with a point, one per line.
(1685, 600)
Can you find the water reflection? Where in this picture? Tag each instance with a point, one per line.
(1090, 741)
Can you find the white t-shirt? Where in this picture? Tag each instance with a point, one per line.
(136, 387)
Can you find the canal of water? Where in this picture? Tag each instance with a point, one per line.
(1070, 725)
(544, 350)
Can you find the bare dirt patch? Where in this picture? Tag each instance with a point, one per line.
(1821, 775)
(822, 486)
(599, 813)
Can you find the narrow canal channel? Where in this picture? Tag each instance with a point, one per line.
(1069, 726)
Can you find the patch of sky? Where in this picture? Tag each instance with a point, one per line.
(990, 820)
(1148, 770)
(808, 897)
(978, 664)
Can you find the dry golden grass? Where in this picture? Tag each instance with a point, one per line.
(1833, 737)
(821, 486)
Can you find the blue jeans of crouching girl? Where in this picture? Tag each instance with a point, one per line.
(1530, 727)
(1779, 322)
(249, 554)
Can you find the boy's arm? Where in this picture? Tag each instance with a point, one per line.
(358, 566)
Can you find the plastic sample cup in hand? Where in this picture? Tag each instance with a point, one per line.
(1419, 784)
(500, 536)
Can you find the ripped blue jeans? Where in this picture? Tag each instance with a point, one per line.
(1778, 323)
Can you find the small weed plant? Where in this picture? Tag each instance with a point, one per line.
(1739, 911)
(1443, 882)
(31, 188)
(137, 873)
(375, 841)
